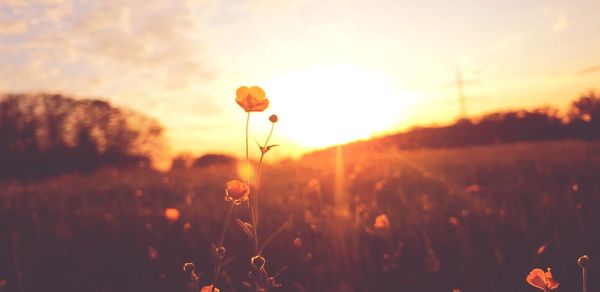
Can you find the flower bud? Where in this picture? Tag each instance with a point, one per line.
(273, 118)
(189, 267)
(258, 262)
(220, 251)
(584, 262)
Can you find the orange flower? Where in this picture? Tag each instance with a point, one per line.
(236, 191)
(382, 222)
(251, 99)
(209, 288)
(172, 214)
(543, 281)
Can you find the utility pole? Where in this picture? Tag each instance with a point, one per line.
(460, 84)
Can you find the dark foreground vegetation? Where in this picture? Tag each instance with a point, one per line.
(476, 219)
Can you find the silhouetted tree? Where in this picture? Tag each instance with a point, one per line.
(586, 108)
(214, 159)
(584, 117)
(46, 134)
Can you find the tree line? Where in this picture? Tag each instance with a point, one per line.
(580, 122)
(47, 134)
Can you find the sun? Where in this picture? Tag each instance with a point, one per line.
(329, 105)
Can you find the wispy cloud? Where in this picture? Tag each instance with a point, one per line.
(589, 70)
(13, 27)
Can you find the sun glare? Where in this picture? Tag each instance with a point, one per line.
(323, 106)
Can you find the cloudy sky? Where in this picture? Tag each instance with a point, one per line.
(334, 70)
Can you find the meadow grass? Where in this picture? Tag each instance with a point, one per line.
(474, 219)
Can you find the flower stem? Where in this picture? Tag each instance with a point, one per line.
(270, 133)
(220, 245)
(584, 275)
(257, 187)
(247, 155)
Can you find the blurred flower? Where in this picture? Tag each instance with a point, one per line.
(382, 222)
(152, 253)
(172, 214)
(543, 281)
(251, 99)
(314, 185)
(453, 220)
(297, 242)
(379, 185)
(273, 118)
(209, 288)
(472, 188)
(542, 248)
(236, 191)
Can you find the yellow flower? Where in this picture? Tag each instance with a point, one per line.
(209, 288)
(543, 281)
(382, 222)
(236, 191)
(252, 99)
(172, 214)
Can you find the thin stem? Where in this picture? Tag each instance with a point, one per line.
(584, 275)
(257, 186)
(256, 214)
(221, 240)
(270, 133)
(247, 153)
(196, 280)
(253, 211)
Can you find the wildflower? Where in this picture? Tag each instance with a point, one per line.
(543, 281)
(236, 192)
(453, 220)
(314, 185)
(209, 288)
(172, 214)
(152, 253)
(297, 242)
(542, 248)
(187, 226)
(382, 222)
(251, 99)
(273, 118)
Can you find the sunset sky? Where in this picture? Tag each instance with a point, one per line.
(334, 70)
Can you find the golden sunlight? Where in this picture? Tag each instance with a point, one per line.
(328, 105)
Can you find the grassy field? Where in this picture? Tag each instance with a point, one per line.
(474, 219)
